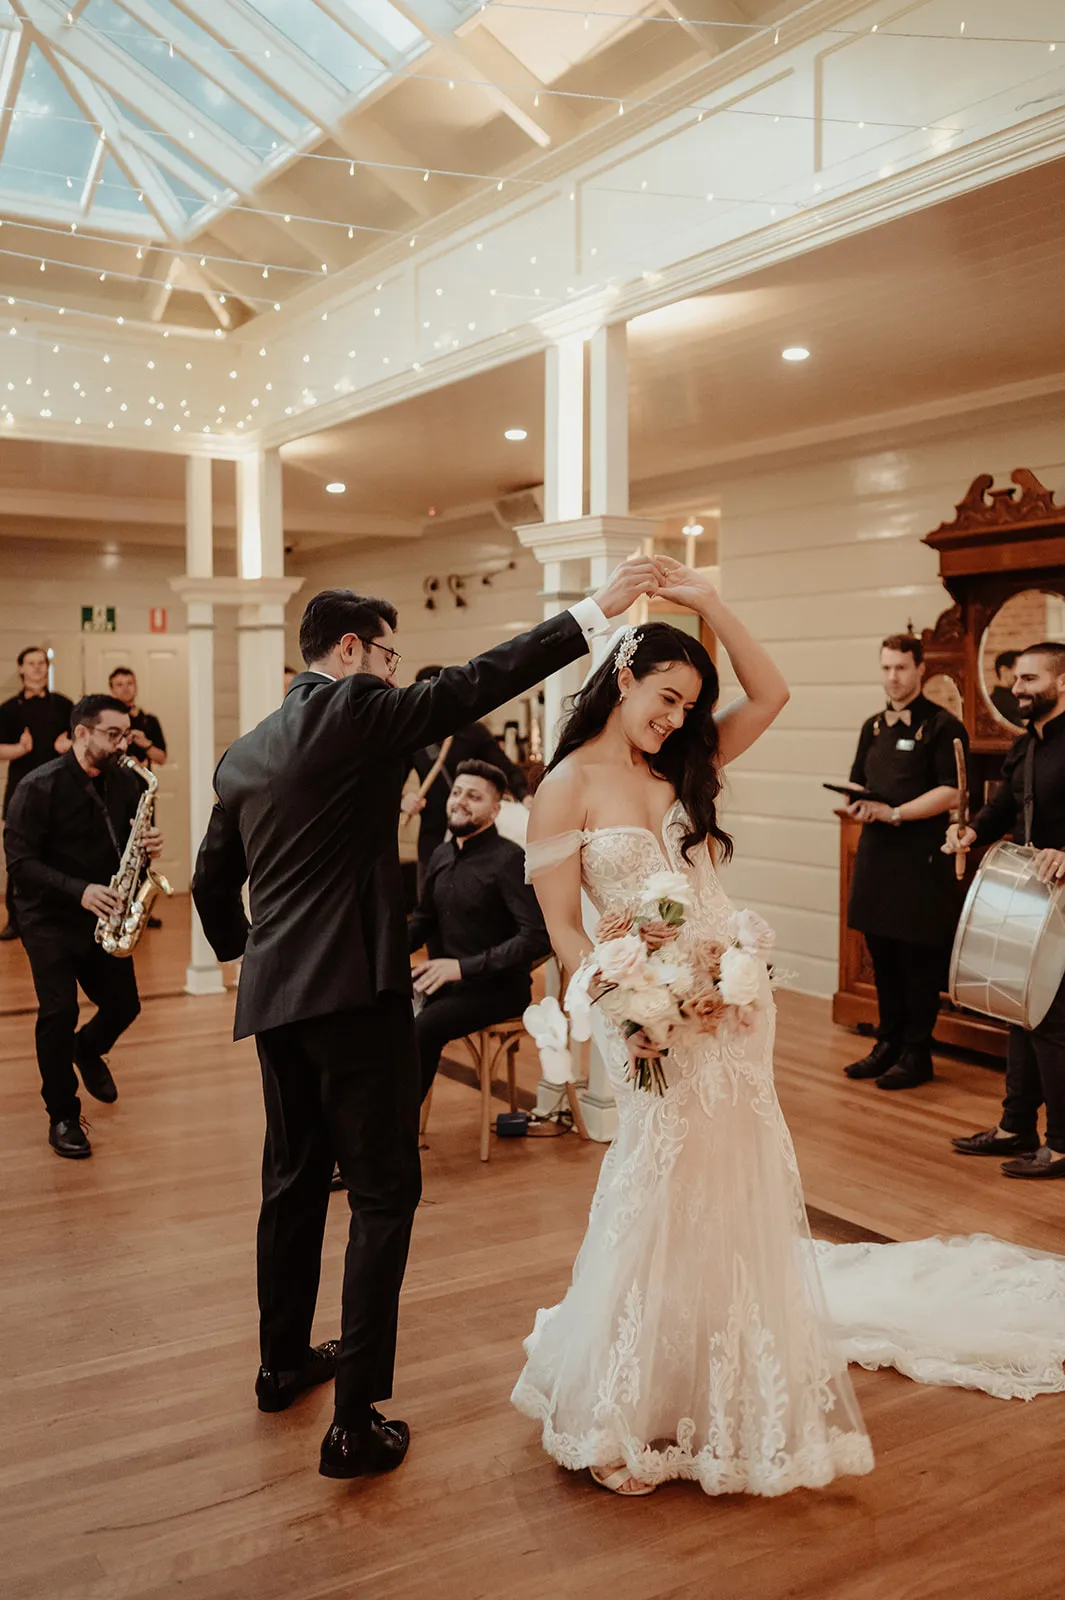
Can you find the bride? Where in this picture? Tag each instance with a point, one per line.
(695, 1340)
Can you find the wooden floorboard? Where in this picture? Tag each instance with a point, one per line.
(133, 1462)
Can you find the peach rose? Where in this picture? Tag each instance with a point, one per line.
(655, 934)
(615, 925)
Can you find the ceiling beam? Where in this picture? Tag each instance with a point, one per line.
(362, 31)
(16, 50)
(696, 18)
(552, 121)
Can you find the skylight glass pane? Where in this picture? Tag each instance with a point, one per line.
(319, 37)
(393, 27)
(49, 144)
(116, 193)
(153, 53)
(174, 21)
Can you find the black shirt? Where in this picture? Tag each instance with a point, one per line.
(58, 840)
(46, 716)
(473, 743)
(1005, 703)
(152, 729)
(1005, 813)
(902, 886)
(476, 907)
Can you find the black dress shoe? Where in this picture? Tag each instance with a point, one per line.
(913, 1068)
(277, 1390)
(155, 922)
(350, 1452)
(988, 1143)
(1043, 1163)
(9, 933)
(881, 1056)
(67, 1138)
(95, 1074)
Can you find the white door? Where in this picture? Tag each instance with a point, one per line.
(160, 661)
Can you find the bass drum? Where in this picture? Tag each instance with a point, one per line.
(1009, 951)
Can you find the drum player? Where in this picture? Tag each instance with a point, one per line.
(904, 897)
(1030, 806)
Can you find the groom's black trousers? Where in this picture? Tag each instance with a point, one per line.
(344, 1088)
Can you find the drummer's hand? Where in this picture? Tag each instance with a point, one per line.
(869, 811)
(1050, 866)
(411, 804)
(958, 840)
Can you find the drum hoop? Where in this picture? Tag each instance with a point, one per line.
(999, 847)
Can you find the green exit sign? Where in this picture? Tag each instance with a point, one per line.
(97, 619)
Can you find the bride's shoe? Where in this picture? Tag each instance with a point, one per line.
(619, 1480)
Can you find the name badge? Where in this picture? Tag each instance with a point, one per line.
(906, 744)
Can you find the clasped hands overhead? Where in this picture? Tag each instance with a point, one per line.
(658, 577)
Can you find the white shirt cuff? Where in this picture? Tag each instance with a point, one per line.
(590, 619)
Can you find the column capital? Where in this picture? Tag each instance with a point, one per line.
(584, 538)
(235, 591)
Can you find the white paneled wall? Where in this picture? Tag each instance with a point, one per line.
(396, 570)
(822, 558)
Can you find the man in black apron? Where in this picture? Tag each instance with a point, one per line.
(1030, 807)
(904, 895)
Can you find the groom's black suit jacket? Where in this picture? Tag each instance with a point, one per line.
(308, 809)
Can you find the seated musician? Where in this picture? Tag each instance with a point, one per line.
(1030, 806)
(67, 827)
(478, 919)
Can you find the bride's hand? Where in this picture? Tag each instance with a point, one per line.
(683, 585)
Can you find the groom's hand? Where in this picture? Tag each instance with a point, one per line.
(626, 584)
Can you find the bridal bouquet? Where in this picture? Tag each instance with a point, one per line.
(652, 989)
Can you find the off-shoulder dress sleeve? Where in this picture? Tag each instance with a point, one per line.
(541, 855)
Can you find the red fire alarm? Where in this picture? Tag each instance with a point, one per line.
(157, 619)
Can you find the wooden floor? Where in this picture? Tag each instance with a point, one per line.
(133, 1462)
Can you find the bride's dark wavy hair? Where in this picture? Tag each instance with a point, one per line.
(688, 758)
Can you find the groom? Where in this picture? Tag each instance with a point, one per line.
(306, 811)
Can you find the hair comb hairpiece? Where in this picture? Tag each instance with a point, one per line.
(630, 640)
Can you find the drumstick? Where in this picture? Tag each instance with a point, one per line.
(961, 816)
(434, 771)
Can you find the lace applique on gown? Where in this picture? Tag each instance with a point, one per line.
(704, 1334)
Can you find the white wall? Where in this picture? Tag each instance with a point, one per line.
(821, 558)
(396, 569)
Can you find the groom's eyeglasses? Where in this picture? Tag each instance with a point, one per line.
(394, 657)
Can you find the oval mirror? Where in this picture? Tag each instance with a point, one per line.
(943, 691)
(1025, 618)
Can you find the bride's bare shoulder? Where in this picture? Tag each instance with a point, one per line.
(560, 803)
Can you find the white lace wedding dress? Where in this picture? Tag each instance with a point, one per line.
(704, 1334)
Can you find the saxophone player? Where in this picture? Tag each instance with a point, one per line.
(66, 830)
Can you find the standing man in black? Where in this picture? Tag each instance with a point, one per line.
(66, 830)
(472, 743)
(904, 896)
(1030, 806)
(34, 728)
(479, 920)
(306, 811)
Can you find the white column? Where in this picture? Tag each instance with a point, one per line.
(203, 975)
(564, 582)
(609, 422)
(260, 554)
(564, 429)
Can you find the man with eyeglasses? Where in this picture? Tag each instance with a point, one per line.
(306, 812)
(66, 829)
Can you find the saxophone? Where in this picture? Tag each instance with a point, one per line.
(136, 882)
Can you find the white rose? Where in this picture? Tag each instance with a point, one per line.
(622, 960)
(650, 1006)
(751, 931)
(666, 969)
(665, 886)
(740, 981)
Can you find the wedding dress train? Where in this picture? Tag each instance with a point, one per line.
(705, 1335)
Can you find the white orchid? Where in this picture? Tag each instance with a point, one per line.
(546, 1025)
(578, 1000)
(671, 886)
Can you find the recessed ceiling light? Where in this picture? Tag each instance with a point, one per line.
(692, 529)
(515, 434)
(335, 488)
(795, 352)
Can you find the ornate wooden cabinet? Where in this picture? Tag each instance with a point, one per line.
(1002, 560)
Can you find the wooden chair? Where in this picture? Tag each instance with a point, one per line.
(485, 1049)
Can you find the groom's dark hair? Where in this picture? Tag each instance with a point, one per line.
(335, 612)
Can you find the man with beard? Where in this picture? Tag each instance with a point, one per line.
(1030, 806)
(479, 920)
(67, 827)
